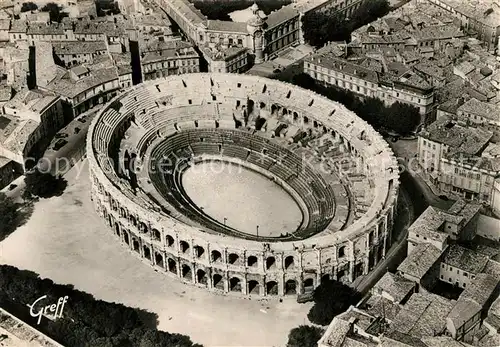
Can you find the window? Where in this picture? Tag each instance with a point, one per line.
(240, 41)
(458, 272)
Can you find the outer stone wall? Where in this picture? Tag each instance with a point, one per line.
(225, 263)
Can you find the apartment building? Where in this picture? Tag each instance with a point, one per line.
(356, 77)
(459, 161)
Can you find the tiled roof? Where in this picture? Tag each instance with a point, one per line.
(341, 65)
(483, 11)
(423, 315)
(45, 29)
(483, 109)
(189, 11)
(92, 27)
(473, 299)
(395, 285)
(420, 260)
(18, 26)
(71, 88)
(336, 333)
(282, 15)
(435, 32)
(465, 259)
(4, 24)
(379, 306)
(428, 223)
(464, 209)
(461, 139)
(79, 47)
(218, 54)
(227, 26)
(398, 339)
(5, 92)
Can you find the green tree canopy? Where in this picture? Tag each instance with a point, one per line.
(320, 27)
(304, 336)
(43, 185)
(330, 299)
(28, 6)
(55, 12)
(8, 215)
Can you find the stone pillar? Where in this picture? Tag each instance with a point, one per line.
(225, 278)
(351, 271)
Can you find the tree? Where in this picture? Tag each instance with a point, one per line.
(55, 12)
(8, 215)
(43, 185)
(402, 118)
(320, 27)
(304, 80)
(29, 6)
(330, 299)
(304, 336)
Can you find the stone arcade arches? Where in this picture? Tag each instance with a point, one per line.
(227, 263)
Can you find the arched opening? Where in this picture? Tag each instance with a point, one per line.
(235, 284)
(272, 288)
(186, 272)
(341, 252)
(262, 105)
(135, 244)
(123, 213)
(289, 262)
(184, 246)
(156, 235)
(201, 277)
(295, 116)
(147, 252)
(233, 258)
(158, 259)
(133, 220)
(218, 282)
(270, 263)
(252, 261)
(172, 266)
(216, 256)
(170, 241)
(143, 228)
(199, 251)
(290, 287)
(125, 238)
(285, 111)
(309, 284)
(253, 287)
(274, 108)
(341, 275)
(117, 229)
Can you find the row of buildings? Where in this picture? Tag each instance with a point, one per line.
(232, 46)
(443, 294)
(413, 55)
(74, 66)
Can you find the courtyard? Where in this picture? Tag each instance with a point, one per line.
(66, 241)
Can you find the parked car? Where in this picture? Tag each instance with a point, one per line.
(61, 135)
(82, 120)
(59, 144)
(12, 186)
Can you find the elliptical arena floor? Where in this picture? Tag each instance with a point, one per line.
(241, 199)
(73, 245)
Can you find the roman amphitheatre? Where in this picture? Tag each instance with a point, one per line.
(242, 185)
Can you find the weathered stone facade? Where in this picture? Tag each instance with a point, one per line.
(226, 263)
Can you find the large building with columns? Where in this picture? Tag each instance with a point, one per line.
(346, 183)
(263, 36)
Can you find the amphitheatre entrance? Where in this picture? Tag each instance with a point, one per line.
(241, 199)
